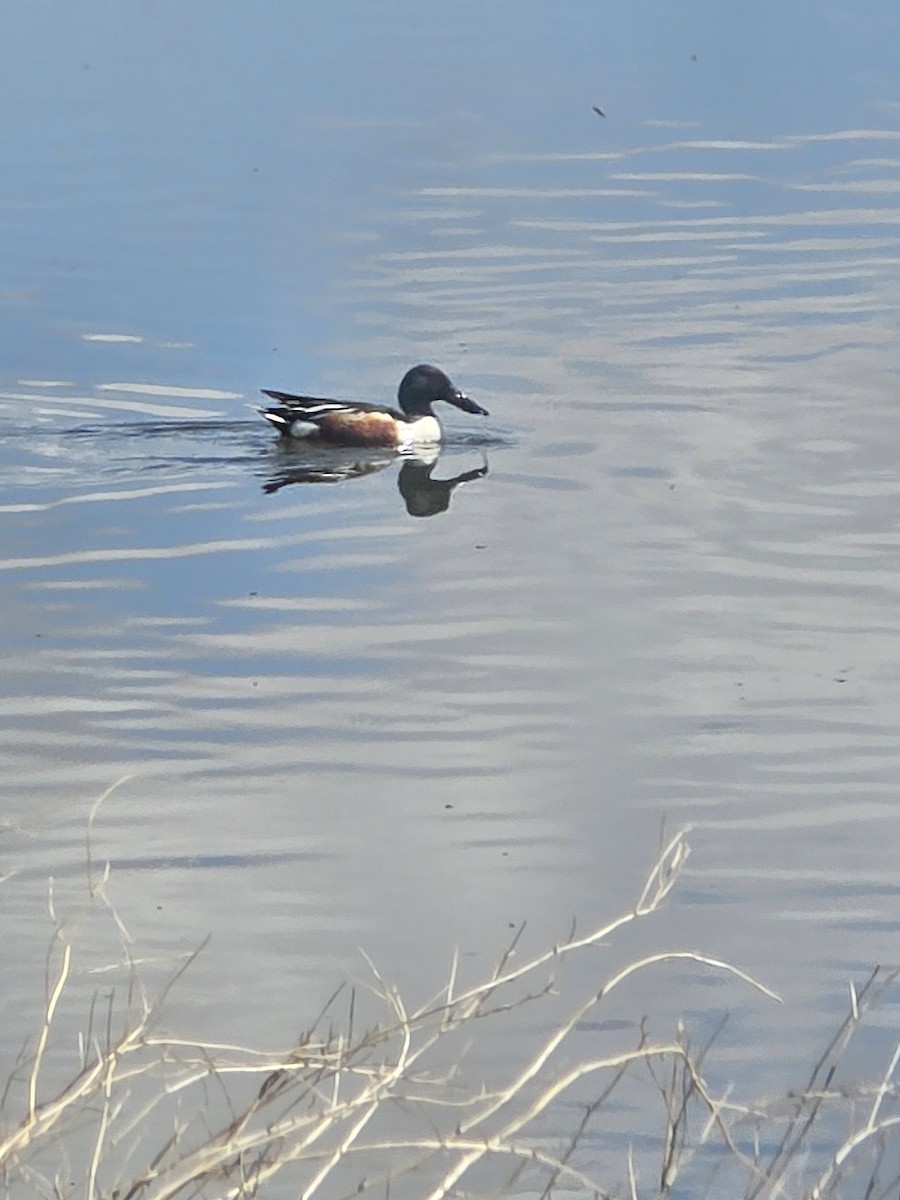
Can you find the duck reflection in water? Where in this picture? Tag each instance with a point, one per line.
(423, 495)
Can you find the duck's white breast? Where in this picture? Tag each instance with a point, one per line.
(423, 431)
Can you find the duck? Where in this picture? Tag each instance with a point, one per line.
(356, 423)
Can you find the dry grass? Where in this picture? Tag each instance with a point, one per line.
(391, 1109)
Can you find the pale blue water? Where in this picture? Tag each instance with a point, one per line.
(672, 592)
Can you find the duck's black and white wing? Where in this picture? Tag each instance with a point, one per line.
(335, 420)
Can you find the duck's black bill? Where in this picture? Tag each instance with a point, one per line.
(461, 400)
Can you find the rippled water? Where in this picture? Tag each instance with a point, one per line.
(409, 705)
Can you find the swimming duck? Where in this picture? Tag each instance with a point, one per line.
(353, 423)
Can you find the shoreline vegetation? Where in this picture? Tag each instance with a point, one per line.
(397, 1107)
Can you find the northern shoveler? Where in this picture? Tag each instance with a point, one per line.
(352, 423)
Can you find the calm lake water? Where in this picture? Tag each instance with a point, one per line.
(391, 713)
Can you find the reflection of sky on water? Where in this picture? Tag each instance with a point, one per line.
(249, 150)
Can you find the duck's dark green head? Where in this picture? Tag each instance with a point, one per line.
(423, 386)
